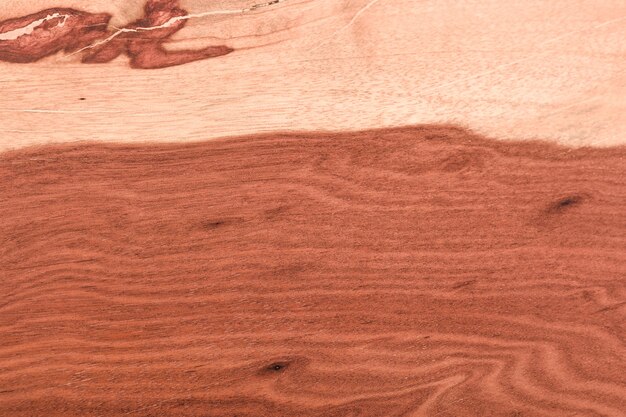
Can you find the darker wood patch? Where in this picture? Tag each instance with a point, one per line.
(277, 367)
(213, 224)
(565, 203)
(76, 31)
(463, 284)
(245, 277)
(281, 366)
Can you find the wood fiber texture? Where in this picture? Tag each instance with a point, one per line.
(76, 31)
(509, 69)
(424, 271)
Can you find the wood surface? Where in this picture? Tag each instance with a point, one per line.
(534, 69)
(312, 208)
(36, 36)
(408, 272)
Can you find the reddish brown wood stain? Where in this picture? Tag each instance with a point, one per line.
(408, 272)
(71, 30)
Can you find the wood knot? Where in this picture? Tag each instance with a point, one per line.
(275, 367)
(565, 203)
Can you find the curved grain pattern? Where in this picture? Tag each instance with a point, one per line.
(30, 38)
(407, 272)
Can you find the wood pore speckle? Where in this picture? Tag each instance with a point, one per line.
(421, 271)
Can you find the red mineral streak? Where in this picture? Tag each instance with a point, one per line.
(71, 30)
(407, 272)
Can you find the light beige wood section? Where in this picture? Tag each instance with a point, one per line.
(510, 69)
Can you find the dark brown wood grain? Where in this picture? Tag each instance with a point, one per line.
(76, 31)
(411, 272)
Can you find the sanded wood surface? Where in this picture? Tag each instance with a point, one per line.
(288, 208)
(534, 69)
(410, 272)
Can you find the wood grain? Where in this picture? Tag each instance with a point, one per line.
(537, 69)
(31, 38)
(406, 272)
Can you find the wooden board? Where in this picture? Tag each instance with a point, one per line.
(327, 231)
(414, 272)
(509, 69)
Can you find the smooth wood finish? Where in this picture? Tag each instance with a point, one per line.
(533, 69)
(408, 271)
(411, 272)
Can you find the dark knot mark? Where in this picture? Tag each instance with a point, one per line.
(463, 284)
(30, 38)
(214, 224)
(274, 368)
(565, 203)
(277, 366)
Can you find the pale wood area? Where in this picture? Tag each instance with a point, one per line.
(509, 69)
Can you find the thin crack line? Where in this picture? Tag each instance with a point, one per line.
(178, 19)
(70, 111)
(350, 23)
